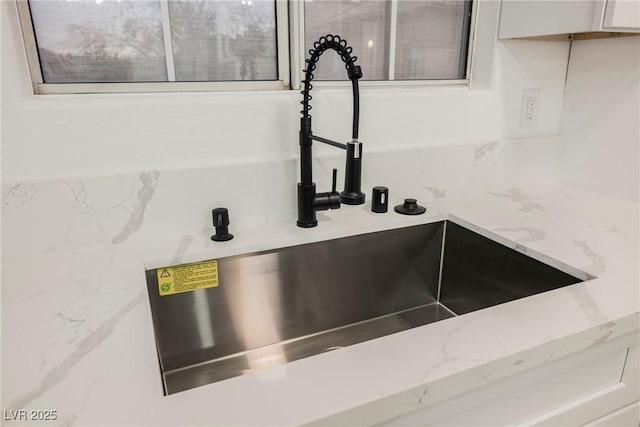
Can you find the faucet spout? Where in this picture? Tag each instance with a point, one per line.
(308, 200)
(354, 73)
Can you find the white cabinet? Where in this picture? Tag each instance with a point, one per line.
(568, 18)
(596, 387)
(627, 416)
(622, 15)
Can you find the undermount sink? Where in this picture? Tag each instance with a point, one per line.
(286, 304)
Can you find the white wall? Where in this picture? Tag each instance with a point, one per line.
(599, 145)
(54, 136)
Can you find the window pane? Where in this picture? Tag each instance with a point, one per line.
(431, 40)
(93, 41)
(365, 26)
(224, 40)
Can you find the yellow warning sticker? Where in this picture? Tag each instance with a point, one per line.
(187, 277)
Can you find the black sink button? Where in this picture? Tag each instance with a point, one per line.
(410, 207)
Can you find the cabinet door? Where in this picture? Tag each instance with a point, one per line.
(571, 391)
(622, 15)
(627, 416)
(543, 18)
(589, 409)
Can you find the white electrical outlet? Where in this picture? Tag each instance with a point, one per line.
(530, 108)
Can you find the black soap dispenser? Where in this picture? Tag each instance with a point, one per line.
(380, 199)
(221, 223)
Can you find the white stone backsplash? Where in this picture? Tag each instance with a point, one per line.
(43, 216)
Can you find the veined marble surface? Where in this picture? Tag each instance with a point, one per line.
(77, 335)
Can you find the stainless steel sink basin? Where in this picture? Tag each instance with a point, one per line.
(281, 305)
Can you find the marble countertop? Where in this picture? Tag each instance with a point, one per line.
(78, 337)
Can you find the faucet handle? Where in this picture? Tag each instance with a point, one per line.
(328, 200)
(335, 178)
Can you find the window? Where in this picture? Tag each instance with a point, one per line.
(143, 45)
(394, 39)
(162, 45)
(216, 40)
(95, 42)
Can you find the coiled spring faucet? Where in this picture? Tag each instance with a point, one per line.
(308, 200)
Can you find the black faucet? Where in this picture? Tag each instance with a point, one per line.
(308, 200)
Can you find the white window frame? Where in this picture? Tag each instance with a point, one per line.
(41, 88)
(299, 53)
(291, 56)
